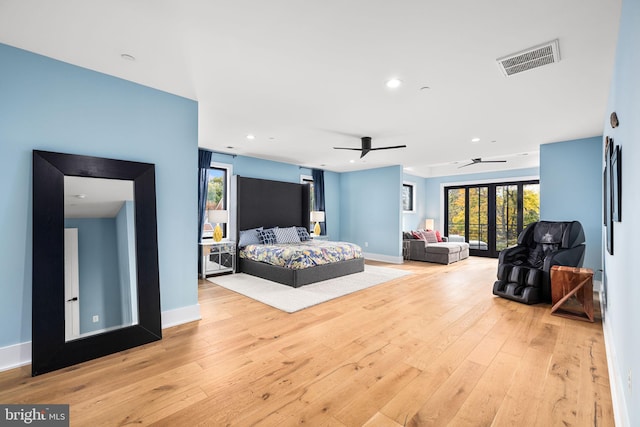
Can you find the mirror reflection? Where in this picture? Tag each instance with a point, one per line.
(100, 290)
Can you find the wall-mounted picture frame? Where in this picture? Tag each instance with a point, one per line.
(616, 184)
(607, 196)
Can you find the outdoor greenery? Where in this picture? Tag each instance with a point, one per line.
(506, 212)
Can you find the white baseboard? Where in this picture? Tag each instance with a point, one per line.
(180, 315)
(383, 258)
(616, 384)
(17, 355)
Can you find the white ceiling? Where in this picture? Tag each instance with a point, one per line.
(95, 197)
(304, 76)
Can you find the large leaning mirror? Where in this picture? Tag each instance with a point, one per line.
(95, 258)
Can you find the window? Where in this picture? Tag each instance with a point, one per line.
(490, 216)
(408, 197)
(217, 196)
(306, 179)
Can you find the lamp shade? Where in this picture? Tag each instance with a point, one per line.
(429, 224)
(218, 216)
(317, 216)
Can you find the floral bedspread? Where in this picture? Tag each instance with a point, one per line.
(302, 255)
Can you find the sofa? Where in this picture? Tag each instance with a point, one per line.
(441, 252)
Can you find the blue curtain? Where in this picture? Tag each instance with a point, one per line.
(318, 195)
(204, 163)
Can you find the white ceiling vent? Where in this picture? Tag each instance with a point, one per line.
(534, 57)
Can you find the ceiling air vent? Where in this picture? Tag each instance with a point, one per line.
(527, 59)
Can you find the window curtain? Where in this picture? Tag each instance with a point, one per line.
(204, 163)
(318, 195)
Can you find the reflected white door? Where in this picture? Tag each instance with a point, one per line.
(71, 285)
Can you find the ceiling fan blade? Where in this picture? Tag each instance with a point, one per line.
(389, 148)
(468, 164)
(347, 148)
(493, 161)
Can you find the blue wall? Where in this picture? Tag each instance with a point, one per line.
(622, 316)
(415, 220)
(50, 105)
(126, 241)
(99, 272)
(571, 189)
(370, 210)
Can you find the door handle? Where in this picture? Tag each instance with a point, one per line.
(73, 299)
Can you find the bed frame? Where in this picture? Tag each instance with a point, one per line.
(267, 203)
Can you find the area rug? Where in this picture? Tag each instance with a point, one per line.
(289, 299)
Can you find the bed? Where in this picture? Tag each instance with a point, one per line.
(268, 204)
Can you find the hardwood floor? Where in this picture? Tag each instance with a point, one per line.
(431, 348)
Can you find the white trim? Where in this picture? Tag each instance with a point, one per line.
(304, 178)
(180, 315)
(16, 355)
(383, 258)
(616, 384)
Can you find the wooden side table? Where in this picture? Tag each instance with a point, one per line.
(567, 282)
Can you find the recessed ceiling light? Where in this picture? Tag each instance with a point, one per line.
(127, 57)
(352, 161)
(251, 136)
(393, 83)
(81, 196)
(475, 140)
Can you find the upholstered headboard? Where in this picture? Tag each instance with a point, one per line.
(262, 202)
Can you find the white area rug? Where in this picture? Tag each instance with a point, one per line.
(289, 299)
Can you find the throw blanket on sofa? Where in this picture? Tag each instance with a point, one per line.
(302, 255)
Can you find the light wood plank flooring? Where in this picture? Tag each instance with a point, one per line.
(432, 348)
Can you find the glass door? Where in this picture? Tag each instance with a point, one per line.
(490, 216)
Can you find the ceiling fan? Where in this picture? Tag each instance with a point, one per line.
(479, 160)
(366, 147)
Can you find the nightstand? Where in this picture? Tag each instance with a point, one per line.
(319, 237)
(217, 257)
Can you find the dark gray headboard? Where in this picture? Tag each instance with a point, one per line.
(262, 202)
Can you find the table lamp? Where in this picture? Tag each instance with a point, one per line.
(218, 217)
(317, 217)
(429, 224)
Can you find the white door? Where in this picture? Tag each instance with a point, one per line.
(71, 285)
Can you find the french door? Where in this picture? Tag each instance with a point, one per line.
(490, 216)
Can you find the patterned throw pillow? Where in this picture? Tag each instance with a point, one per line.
(430, 236)
(268, 236)
(287, 235)
(249, 237)
(303, 234)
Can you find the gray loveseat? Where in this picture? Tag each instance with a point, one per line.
(444, 252)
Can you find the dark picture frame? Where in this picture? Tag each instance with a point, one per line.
(608, 196)
(616, 184)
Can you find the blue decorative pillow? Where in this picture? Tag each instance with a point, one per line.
(303, 234)
(287, 235)
(267, 237)
(249, 237)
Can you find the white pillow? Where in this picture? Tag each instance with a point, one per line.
(287, 235)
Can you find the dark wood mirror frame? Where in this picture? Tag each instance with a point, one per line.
(49, 349)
